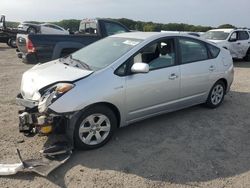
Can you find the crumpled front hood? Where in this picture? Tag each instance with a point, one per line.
(46, 74)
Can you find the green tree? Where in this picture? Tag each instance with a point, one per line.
(72, 24)
(12, 24)
(224, 26)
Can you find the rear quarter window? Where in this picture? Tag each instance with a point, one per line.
(192, 50)
(214, 51)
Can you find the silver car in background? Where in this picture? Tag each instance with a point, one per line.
(120, 80)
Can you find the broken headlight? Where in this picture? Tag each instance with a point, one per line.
(52, 94)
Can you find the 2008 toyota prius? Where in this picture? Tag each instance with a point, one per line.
(119, 80)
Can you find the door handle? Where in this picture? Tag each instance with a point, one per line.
(211, 68)
(173, 76)
(239, 43)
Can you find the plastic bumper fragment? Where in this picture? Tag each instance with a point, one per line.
(42, 166)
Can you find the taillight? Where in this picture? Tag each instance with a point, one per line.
(30, 47)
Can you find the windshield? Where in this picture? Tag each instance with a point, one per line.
(216, 35)
(104, 52)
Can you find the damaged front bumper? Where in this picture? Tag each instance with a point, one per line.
(36, 117)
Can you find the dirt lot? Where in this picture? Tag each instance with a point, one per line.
(195, 147)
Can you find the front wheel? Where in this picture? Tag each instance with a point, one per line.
(94, 128)
(216, 95)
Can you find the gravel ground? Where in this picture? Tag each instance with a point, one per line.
(195, 147)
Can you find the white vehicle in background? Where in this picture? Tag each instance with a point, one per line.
(237, 41)
(45, 28)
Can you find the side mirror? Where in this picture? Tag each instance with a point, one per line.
(140, 68)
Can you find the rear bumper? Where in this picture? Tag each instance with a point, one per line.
(29, 58)
(18, 53)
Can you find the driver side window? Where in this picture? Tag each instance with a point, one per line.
(158, 55)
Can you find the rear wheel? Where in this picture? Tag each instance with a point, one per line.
(216, 95)
(12, 43)
(31, 30)
(94, 128)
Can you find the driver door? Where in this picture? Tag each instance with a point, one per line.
(158, 90)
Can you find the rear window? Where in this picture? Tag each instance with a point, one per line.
(192, 50)
(214, 51)
(88, 27)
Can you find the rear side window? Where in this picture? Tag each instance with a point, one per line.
(243, 35)
(214, 51)
(192, 50)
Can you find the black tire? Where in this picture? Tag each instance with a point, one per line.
(100, 110)
(12, 43)
(247, 57)
(31, 30)
(211, 101)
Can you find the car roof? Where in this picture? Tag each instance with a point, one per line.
(48, 24)
(29, 23)
(146, 35)
(156, 35)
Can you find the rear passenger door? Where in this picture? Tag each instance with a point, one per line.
(196, 70)
(239, 47)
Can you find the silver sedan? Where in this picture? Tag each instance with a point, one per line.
(120, 80)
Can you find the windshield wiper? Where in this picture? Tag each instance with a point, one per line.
(80, 64)
(85, 65)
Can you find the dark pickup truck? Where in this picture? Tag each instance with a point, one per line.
(7, 35)
(39, 48)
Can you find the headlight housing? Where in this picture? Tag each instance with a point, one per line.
(62, 88)
(52, 94)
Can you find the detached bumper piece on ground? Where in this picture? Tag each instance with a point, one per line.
(53, 157)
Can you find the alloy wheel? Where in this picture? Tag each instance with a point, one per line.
(94, 129)
(217, 94)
